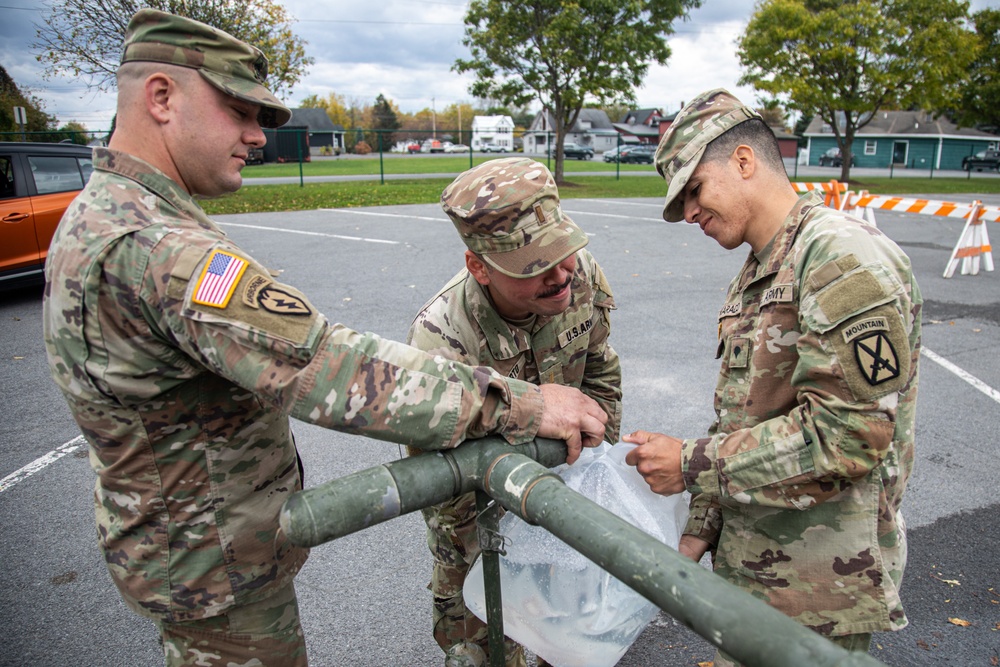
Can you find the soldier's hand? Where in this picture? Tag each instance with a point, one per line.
(693, 547)
(658, 460)
(571, 416)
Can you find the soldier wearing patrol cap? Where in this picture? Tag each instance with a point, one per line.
(182, 359)
(532, 304)
(796, 490)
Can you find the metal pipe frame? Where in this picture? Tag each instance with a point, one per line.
(518, 478)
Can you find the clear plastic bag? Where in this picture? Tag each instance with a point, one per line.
(557, 602)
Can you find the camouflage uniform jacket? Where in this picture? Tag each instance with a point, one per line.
(571, 348)
(800, 484)
(183, 380)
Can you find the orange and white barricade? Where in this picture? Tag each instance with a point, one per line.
(834, 192)
(973, 245)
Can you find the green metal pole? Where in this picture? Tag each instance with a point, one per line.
(618, 159)
(491, 544)
(381, 164)
(706, 603)
(298, 146)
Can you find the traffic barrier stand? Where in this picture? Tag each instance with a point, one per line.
(833, 192)
(866, 213)
(973, 245)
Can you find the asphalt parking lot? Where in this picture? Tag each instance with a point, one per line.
(364, 599)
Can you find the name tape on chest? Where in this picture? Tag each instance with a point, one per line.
(777, 294)
(730, 309)
(574, 332)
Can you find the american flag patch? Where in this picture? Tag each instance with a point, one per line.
(219, 279)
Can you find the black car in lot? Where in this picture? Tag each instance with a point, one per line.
(571, 150)
(641, 154)
(833, 158)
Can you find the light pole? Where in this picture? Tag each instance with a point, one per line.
(434, 132)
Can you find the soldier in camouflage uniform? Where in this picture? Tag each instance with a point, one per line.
(797, 488)
(531, 303)
(182, 359)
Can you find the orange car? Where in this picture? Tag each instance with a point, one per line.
(37, 182)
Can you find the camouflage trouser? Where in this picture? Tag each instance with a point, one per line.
(452, 539)
(857, 643)
(262, 634)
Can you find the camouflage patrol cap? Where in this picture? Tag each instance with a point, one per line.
(508, 212)
(682, 145)
(230, 65)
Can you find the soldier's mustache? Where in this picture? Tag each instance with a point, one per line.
(557, 288)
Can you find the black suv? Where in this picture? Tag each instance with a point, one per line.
(37, 183)
(574, 150)
(833, 158)
(988, 159)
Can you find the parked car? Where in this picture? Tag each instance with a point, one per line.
(571, 150)
(37, 182)
(456, 148)
(641, 154)
(494, 148)
(988, 159)
(613, 154)
(412, 147)
(833, 158)
(255, 156)
(432, 146)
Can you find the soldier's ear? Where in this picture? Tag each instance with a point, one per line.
(745, 160)
(159, 90)
(477, 267)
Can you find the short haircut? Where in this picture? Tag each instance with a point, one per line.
(753, 133)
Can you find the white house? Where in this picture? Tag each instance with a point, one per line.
(593, 128)
(497, 130)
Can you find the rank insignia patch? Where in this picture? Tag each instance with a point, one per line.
(876, 358)
(219, 279)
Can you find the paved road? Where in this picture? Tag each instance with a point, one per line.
(363, 597)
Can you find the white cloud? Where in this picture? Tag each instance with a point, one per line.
(403, 49)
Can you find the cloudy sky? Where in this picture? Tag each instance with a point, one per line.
(403, 49)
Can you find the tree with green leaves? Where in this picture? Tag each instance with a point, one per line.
(84, 38)
(566, 53)
(385, 120)
(845, 61)
(980, 104)
(75, 132)
(334, 105)
(10, 97)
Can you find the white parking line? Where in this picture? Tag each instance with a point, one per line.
(41, 462)
(968, 377)
(618, 202)
(299, 231)
(385, 215)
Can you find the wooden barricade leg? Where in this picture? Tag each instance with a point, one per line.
(866, 213)
(973, 245)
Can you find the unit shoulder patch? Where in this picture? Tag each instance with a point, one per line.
(282, 302)
(873, 349)
(876, 358)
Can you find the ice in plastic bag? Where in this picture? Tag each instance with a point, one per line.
(557, 602)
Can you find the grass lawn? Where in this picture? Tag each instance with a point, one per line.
(310, 196)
